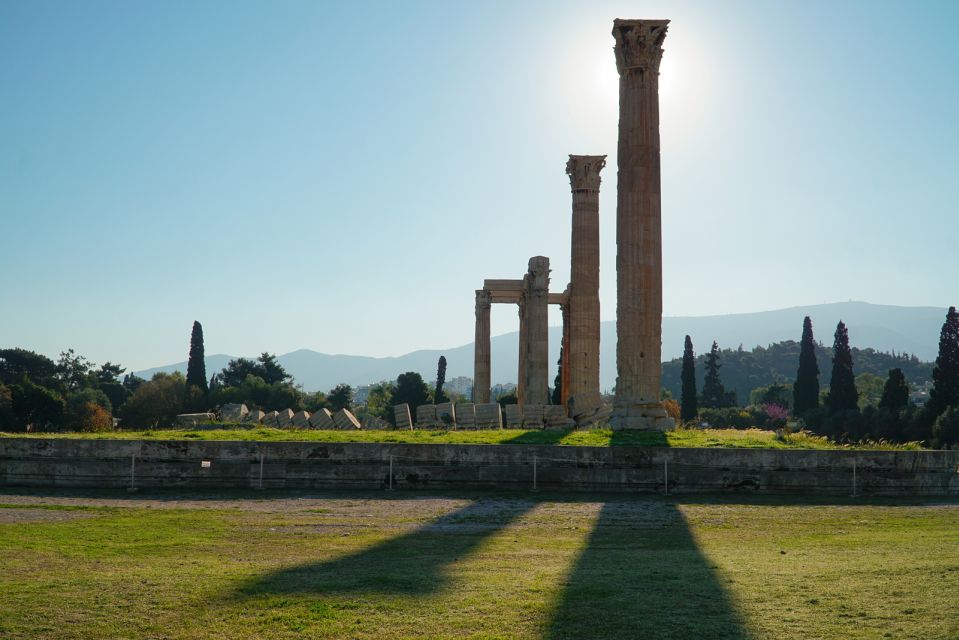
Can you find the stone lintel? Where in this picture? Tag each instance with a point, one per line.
(639, 44)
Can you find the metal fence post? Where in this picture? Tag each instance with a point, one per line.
(534, 473)
(133, 473)
(391, 473)
(854, 476)
(261, 471)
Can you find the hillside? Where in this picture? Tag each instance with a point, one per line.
(913, 330)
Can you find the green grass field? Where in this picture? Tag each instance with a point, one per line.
(746, 438)
(378, 565)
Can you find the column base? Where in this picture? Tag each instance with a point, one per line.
(644, 417)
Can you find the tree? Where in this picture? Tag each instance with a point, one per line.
(945, 431)
(17, 363)
(714, 394)
(438, 395)
(341, 397)
(273, 371)
(156, 403)
(869, 386)
(556, 397)
(806, 387)
(8, 419)
(73, 370)
(688, 405)
(843, 395)
(265, 367)
(945, 375)
(379, 402)
(895, 393)
(36, 406)
(109, 372)
(411, 389)
(196, 364)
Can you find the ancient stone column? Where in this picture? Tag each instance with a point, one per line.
(481, 354)
(639, 267)
(537, 330)
(523, 350)
(583, 347)
(564, 379)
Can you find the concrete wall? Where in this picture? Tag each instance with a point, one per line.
(176, 463)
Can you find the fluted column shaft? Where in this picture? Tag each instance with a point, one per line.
(564, 367)
(523, 350)
(537, 329)
(481, 354)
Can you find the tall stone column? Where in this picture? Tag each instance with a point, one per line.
(583, 308)
(564, 366)
(481, 354)
(639, 266)
(523, 350)
(537, 329)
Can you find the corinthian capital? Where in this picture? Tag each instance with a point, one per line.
(639, 44)
(483, 299)
(583, 172)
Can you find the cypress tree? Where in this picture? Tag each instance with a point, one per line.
(557, 396)
(196, 365)
(688, 406)
(806, 387)
(895, 393)
(438, 394)
(714, 394)
(945, 375)
(843, 395)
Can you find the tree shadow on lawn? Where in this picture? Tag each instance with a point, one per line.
(642, 577)
(411, 564)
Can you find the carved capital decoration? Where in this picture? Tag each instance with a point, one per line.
(537, 278)
(483, 300)
(583, 172)
(639, 44)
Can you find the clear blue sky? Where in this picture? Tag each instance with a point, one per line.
(341, 177)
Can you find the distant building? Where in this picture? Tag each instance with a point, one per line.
(462, 385)
(502, 389)
(360, 394)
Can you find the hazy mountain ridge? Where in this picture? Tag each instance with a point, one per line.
(913, 330)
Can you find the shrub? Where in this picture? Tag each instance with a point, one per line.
(945, 431)
(731, 418)
(92, 417)
(673, 409)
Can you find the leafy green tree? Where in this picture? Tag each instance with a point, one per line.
(714, 394)
(17, 363)
(273, 371)
(73, 370)
(777, 394)
(156, 403)
(945, 375)
(945, 431)
(315, 401)
(132, 382)
(842, 386)
(688, 405)
(438, 395)
(556, 396)
(8, 419)
(895, 393)
(379, 402)
(870, 387)
(265, 367)
(341, 397)
(256, 393)
(196, 364)
(109, 373)
(37, 407)
(806, 387)
(411, 389)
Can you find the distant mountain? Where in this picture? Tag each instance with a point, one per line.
(912, 330)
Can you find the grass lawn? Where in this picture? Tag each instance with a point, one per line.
(746, 438)
(378, 565)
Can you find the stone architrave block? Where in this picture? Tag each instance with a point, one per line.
(445, 415)
(426, 416)
(344, 419)
(233, 412)
(402, 417)
(284, 419)
(322, 419)
(301, 419)
(269, 419)
(489, 415)
(374, 423)
(514, 416)
(254, 417)
(533, 416)
(193, 419)
(466, 416)
(554, 417)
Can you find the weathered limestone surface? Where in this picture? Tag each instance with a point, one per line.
(639, 270)
(537, 329)
(446, 415)
(401, 416)
(301, 420)
(533, 416)
(466, 415)
(481, 365)
(514, 416)
(269, 419)
(284, 418)
(322, 419)
(489, 416)
(588, 408)
(254, 417)
(523, 349)
(191, 419)
(584, 324)
(554, 417)
(344, 419)
(233, 412)
(426, 416)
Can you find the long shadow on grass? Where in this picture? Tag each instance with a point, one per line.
(642, 575)
(411, 564)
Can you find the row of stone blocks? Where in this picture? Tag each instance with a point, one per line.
(322, 419)
(482, 416)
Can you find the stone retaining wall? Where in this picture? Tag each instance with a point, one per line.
(298, 465)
